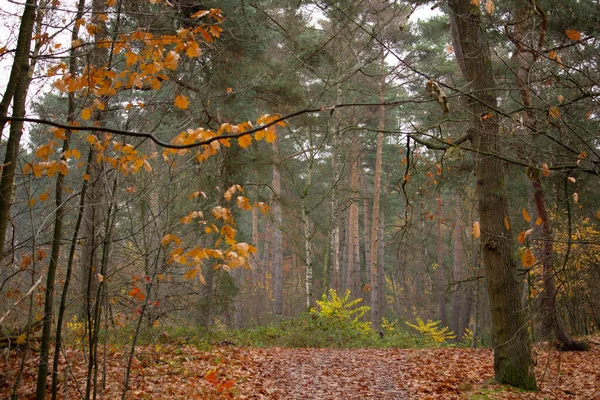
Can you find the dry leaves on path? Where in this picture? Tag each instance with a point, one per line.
(229, 372)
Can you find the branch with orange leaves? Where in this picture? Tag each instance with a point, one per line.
(162, 143)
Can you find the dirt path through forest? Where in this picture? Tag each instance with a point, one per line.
(173, 371)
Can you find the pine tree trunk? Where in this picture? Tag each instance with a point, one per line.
(461, 298)
(335, 192)
(513, 364)
(376, 306)
(353, 265)
(277, 247)
(442, 282)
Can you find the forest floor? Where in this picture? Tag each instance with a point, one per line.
(230, 372)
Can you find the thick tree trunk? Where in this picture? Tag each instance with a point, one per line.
(513, 364)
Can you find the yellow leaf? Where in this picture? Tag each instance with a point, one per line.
(554, 112)
(245, 141)
(538, 221)
(489, 6)
(31, 202)
(526, 215)
(86, 177)
(155, 323)
(573, 34)
(476, 229)
(86, 113)
(44, 197)
(181, 102)
(21, 339)
(528, 259)
(506, 223)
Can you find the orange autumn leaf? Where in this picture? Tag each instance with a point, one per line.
(554, 112)
(245, 141)
(44, 197)
(193, 50)
(527, 259)
(181, 102)
(526, 215)
(476, 229)
(573, 34)
(521, 237)
(506, 223)
(538, 221)
(545, 169)
(137, 293)
(489, 6)
(44, 151)
(86, 113)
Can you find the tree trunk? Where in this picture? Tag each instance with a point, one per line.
(56, 243)
(461, 296)
(552, 324)
(17, 87)
(308, 257)
(513, 364)
(353, 265)
(335, 192)
(277, 247)
(376, 306)
(442, 282)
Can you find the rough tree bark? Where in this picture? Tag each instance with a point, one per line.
(513, 363)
